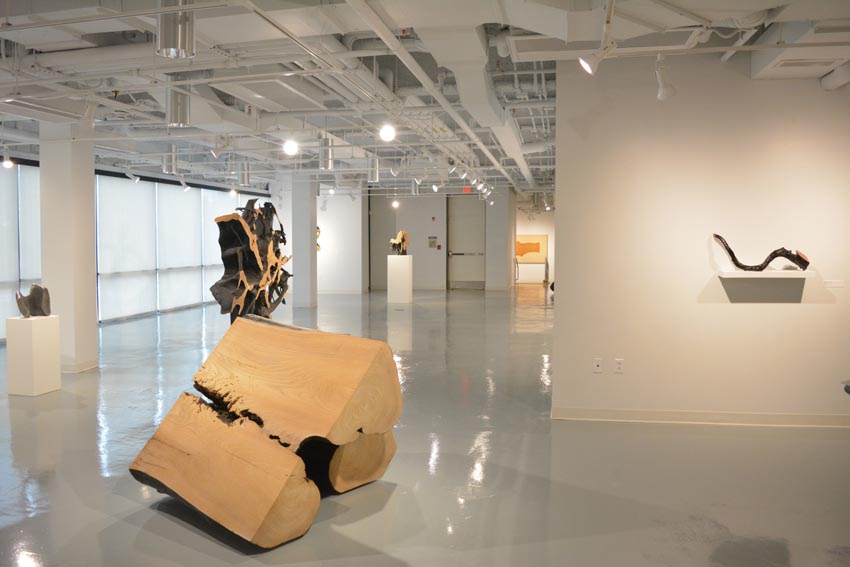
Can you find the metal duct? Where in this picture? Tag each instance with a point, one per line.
(175, 38)
(326, 154)
(374, 175)
(244, 174)
(177, 108)
(169, 160)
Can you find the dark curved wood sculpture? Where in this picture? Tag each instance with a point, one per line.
(36, 304)
(399, 243)
(292, 414)
(254, 280)
(797, 258)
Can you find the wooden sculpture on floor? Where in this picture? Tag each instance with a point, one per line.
(293, 414)
(36, 304)
(399, 243)
(254, 280)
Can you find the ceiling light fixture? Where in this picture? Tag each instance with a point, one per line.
(463, 175)
(590, 62)
(7, 162)
(387, 132)
(474, 181)
(395, 203)
(185, 186)
(492, 202)
(214, 153)
(480, 186)
(233, 193)
(331, 191)
(131, 177)
(417, 181)
(452, 169)
(665, 89)
(290, 147)
(548, 208)
(435, 187)
(393, 172)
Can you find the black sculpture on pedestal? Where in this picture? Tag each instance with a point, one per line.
(36, 304)
(797, 257)
(254, 281)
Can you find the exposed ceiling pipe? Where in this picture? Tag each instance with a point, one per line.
(177, 108)
(175, 37)
(537, 147)
(169, 160)
(389, 38)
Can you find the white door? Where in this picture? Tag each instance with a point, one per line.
(466, 242)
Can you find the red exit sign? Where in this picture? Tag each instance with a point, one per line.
(467, 189)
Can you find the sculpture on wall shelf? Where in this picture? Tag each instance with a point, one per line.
(36, 304)
(797, 258)
(254, 280)
(399, 243)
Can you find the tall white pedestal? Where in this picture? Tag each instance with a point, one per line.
(32, 355)
(399, 279)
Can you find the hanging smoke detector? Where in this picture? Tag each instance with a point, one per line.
(175, 38)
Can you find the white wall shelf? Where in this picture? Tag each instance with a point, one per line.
(767, 274)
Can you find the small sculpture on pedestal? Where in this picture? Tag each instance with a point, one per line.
(399, 243)
(36, 304)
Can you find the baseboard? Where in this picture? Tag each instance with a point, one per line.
(698, 417)
(78, 367)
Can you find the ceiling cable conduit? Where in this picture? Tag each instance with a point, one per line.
(389, 38)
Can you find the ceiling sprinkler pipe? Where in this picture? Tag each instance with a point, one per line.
(175, 37)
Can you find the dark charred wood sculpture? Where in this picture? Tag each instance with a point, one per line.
(798, 258)
(399, 243)
(254, 280)
(36, 304)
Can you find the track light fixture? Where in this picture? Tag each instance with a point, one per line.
(435, 187)
(131, 177)
(387, 132)
(492, 202)
(417, 181)
(233, 193)
(290, 147)
(452, 169)
(463, 175)
(665, 89)
(395, 203)
(394, 172)
(589, 63)
(480, 186)
(331, 191)
(214, 153)
(474, 181)
(7, 162)
(185, 186)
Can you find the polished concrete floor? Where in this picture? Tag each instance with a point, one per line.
(482, 476)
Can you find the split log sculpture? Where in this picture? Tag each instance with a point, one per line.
(254, 280)
(399, 243)
(307, 404)
(797, 258)
(36, 304)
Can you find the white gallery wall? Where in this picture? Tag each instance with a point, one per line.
(541, 223)
(343, 254)
(421, 217)
(763, 163)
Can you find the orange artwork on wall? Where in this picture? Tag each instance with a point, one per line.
(532, 248)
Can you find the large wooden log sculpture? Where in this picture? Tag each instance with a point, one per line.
(291, 411)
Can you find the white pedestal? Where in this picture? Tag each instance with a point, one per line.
(399, 279)
(32, 355)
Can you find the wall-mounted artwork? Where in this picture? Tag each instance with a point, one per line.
(797, 258)
(532, 248)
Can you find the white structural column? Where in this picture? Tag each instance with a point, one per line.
(304, 191)
(68, 240)
(500, 241)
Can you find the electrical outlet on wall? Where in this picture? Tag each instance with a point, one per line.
(597, 366)
(619, 366)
